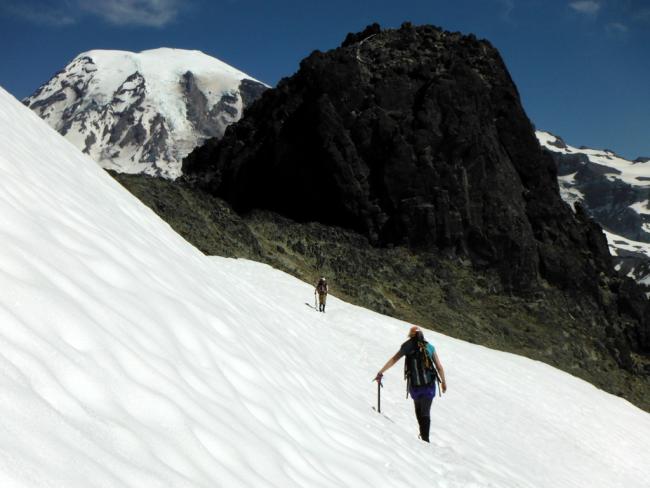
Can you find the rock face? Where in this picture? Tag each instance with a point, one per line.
(143, 112)
(416, 137)
(615, 192)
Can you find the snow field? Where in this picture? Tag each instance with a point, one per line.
(89, 121)
(162, 69)
(635, 174)
(129, 359)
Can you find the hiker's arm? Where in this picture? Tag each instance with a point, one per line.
(389, 364)
(441, 372)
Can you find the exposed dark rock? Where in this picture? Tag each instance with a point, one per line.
(46, 102)
(570, 163)
(608, 200)
(196, 104)
(88, 142)
(213, 122)
(155, 148)
(128, 129)
(226, 105)
(413, 136)
(416, 138)
(250, 90)
(558, 142)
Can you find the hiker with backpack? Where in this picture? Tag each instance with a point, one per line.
(422, 371)
(321, 290)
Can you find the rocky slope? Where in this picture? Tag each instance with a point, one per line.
(612, 190)
(143, 112)
(426, 288)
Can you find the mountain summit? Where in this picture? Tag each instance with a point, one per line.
(143, 112)
(410, 136)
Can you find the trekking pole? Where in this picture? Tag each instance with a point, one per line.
(379, 387)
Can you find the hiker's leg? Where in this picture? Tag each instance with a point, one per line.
(425, 422)
(418, 412)
(422, 412)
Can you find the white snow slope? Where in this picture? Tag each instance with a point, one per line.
(129, 359)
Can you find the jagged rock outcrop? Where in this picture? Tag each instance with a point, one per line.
(417, 137)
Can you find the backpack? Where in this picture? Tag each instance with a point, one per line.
(419, 369)
(321, 287)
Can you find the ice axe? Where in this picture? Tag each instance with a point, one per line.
(379, 387)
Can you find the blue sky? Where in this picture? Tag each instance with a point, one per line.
(582, 66)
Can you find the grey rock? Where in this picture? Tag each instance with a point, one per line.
(251, 90)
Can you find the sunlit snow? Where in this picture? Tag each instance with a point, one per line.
(129, 359)
(90, 100)
(568, 193)
(632, 173)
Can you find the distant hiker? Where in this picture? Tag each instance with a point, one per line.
(422, 370)
(321, 290)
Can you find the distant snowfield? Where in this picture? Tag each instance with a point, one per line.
(129, 359)
(632, 173)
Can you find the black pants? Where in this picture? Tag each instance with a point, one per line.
(423, 414)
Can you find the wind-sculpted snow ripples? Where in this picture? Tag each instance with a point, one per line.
(129, 359)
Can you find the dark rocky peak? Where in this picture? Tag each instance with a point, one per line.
(413, 136)
(642, 159)
(353, 38)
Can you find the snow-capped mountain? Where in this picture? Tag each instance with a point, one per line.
(615, 192)
(130, 359)
(143, 112)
